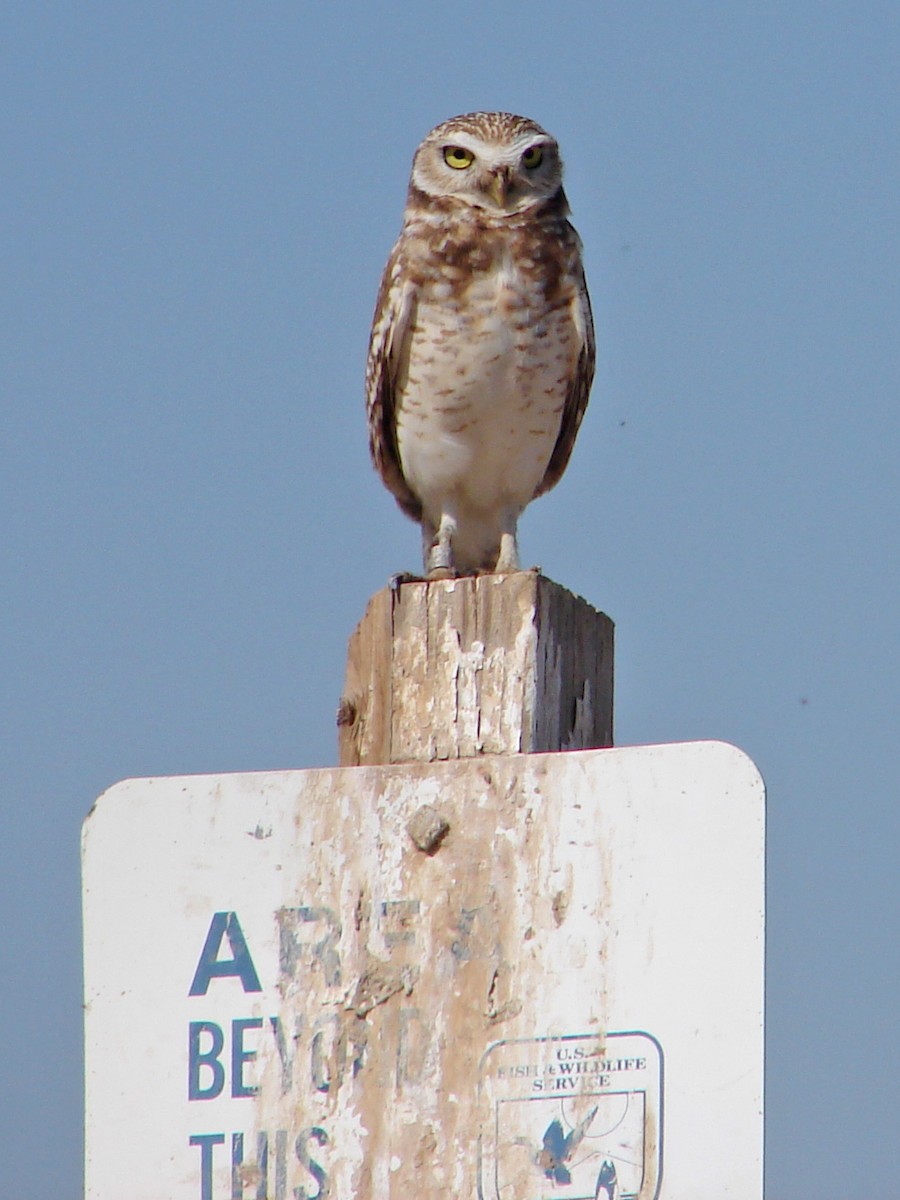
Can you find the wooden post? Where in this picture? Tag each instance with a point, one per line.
(490, 664)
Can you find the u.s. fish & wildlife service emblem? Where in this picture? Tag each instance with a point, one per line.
(577, 1117)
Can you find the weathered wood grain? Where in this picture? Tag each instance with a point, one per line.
(490, 664)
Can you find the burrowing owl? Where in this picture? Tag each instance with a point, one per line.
(482, 349)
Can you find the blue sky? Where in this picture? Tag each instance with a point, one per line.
(198, 202)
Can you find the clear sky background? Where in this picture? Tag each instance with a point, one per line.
(197, 204)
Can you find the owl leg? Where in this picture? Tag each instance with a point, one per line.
(437, 548)
(508, 558)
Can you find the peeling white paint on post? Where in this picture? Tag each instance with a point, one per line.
(560, 996)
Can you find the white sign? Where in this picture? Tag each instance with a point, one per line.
(558, 999)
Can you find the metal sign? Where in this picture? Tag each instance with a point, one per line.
(521, 978)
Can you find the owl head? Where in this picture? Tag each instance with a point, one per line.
(496, 162)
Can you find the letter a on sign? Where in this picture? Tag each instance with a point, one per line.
(225, 924)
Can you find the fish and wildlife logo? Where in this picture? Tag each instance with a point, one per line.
(577, 1117)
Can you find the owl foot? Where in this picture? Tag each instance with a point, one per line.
(441, 573)
(508, 558)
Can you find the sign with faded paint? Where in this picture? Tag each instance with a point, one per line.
(516, 978)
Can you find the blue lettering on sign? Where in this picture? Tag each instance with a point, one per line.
(198, 1058)
(239, 1055)
(237, 1166)
(206, 1041)
(245, 1174)
(225, 924)
(285, 1056)
(309, 938)
(315, 1169)
(322, 953)
(206, 1141)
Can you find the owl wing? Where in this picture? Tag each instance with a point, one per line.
(388, 350)
(579, 388)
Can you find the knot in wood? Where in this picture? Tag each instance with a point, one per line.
(347, 712)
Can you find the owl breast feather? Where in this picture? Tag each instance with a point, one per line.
(481, 394)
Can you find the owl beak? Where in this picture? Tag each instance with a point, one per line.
(500, 186)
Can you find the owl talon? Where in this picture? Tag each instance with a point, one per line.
(396, 581)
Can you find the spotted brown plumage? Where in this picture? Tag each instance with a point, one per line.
(482, 348)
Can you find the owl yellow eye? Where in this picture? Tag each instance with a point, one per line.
(458, 157)
(533, 157)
